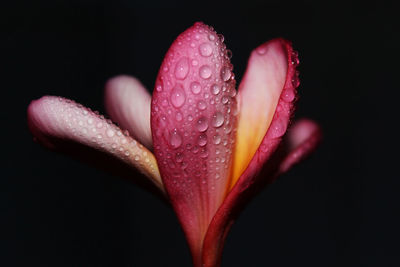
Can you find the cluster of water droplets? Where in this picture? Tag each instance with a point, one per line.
(195, 110)
(96, 131)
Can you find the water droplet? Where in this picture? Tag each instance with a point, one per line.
(178, 116)
(99, 125)
(114, 145)
(229, 53)
(205, 72)
(178, 97)
(225, 74)
(195, 62)
(295, 58)
(110, 133)
(127, 153)
(204, 154)
(224, 99)
(205, 49)
(90, 121)
(179, 157)
(201, 105)
(137, 157)
(215, 89)
(228, 128)
(278, 128)
(159, 88)
(182, 68)
(221, 38)
(190, 118)
(202, 124)
(175, 139)
(99, 136)
(211, 37)
(288, 95)
(217, 139)
(295, 81)
(261, 50)
(195, 87)
(202, 140)
(217, 119)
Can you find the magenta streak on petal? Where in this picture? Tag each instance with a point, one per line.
(193, 120)
(249, 181)
(63, 125)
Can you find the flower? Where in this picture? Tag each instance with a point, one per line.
(199, 143)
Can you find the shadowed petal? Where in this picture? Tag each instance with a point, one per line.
(61, 124)
(249, 183)
(193, 123)
(302, 139)
(128, 103)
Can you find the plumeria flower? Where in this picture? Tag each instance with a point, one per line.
(201, 144)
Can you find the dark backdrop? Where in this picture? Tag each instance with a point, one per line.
(339, 208)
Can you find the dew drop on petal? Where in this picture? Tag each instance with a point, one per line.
(178, 116)
(202, 140)
(278, 128)
(179, 157)
(178, 97)
(288, 95)
(182, 68)
(217, 119)
(201, 105)
(205, 49)
(215, 89)
(195, 87)
(202, 124)
(205, 72)
(110, 133)
(175, 139)
(225, 74)
(216, 139)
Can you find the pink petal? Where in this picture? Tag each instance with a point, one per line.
(249, 182)
(193, 123)
(128, 103)
(63, 125)
(302, 139)
(259, 93)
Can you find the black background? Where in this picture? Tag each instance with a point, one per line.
(339, 208)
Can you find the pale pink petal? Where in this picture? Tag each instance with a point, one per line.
(258, 97)
(128, 103)
(61, 124)
(302, 139)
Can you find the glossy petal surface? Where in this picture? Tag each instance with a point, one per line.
(59, 124)
(193, 123)
(128, 103)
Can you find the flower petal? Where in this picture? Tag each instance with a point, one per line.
(128, 103)
(259, 93)
(302, 139)
(60, 124)
(248, 184)
(193, 119)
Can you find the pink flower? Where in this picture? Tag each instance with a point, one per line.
(204, 146)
